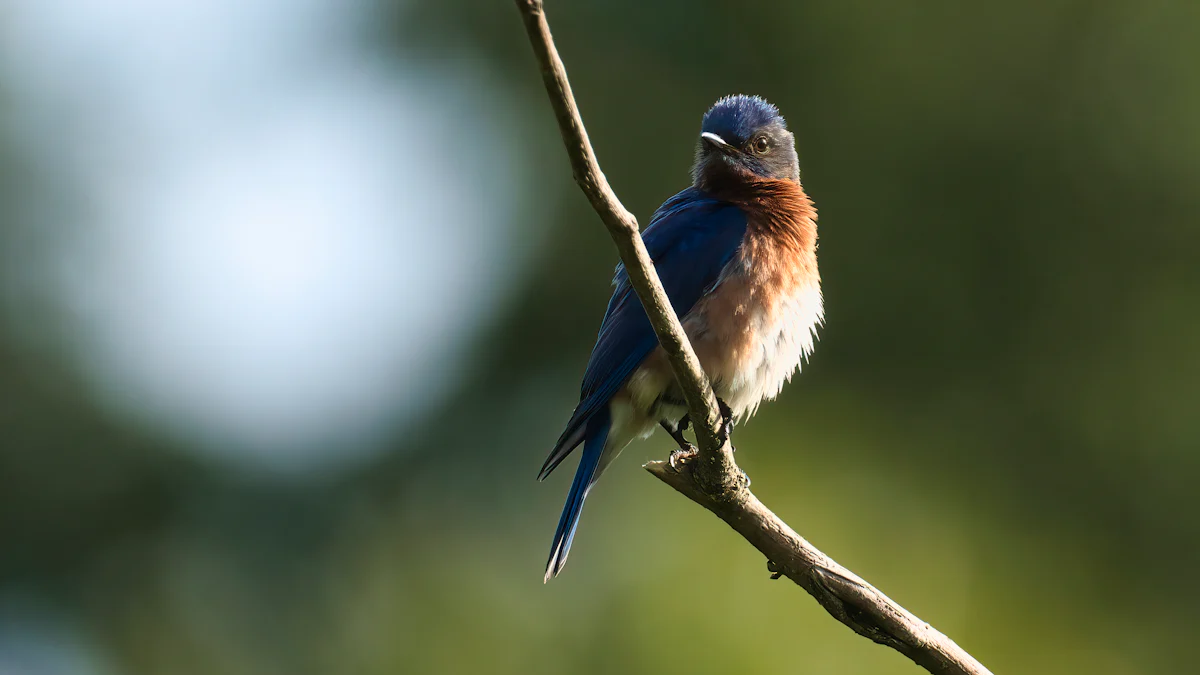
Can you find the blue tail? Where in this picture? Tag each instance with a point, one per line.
(593, 447)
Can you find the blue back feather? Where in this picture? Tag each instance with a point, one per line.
(691, 238)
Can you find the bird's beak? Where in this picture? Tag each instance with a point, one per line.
(716, 142)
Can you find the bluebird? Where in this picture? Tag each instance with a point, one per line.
(736, 253)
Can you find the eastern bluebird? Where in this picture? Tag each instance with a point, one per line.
(736, 253)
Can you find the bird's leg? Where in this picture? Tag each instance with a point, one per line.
(686, 450)
(727, 433)
(676, 433)
(726, 423)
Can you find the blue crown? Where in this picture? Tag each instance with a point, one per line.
(736, 118)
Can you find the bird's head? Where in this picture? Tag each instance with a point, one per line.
(744, 137)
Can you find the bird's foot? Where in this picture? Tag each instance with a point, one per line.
(681, 456)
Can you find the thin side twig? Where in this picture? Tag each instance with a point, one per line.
(713, 479)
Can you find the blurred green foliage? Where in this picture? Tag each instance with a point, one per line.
(999, 427)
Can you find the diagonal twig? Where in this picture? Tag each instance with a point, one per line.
(713, 479)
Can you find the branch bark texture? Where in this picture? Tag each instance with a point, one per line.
(713, 479)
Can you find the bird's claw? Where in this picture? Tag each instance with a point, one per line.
(680, 456)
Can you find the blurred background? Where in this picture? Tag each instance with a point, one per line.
(295, 296)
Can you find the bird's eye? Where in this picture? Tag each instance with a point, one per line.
(761, 144)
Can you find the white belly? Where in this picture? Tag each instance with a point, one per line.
(783, 341)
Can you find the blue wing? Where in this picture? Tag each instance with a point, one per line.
(690, 238)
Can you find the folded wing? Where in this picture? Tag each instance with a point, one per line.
(690, 238)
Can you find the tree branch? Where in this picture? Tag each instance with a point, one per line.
(623, 227)
(713, 479)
